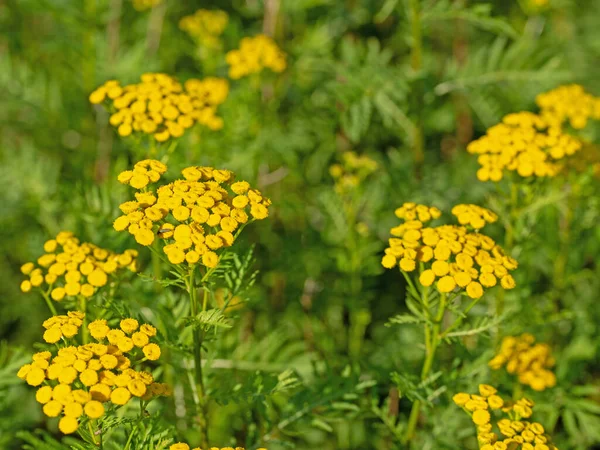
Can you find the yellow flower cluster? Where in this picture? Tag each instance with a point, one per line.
(518, 434)
(205, 25)
(528, 360)
(474, 215)
(195, 217)
(160, 106)
(525, 143)
(182, 446)
(70, 268)
(79, 380)
(142, 5)
(451, 254)
(570, 103)
(353, 170)
(255, 54)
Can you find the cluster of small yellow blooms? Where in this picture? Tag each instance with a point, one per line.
(207, 208)
(570, 103)
(255, 54)
(352, 171)
(142, 5)
(205, 25)
(455, 256)
(525, 143)
(528, 360)
(160, 106)
(518, 434)
(79, 380)
(182, 446)
(474, 215)
(70, 268)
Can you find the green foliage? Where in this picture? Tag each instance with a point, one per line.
(305, 341)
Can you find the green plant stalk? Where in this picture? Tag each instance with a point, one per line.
(49, 303)
(560, 263)
(509, 239)
(431, 346)
(91, 430)
(356, 328)
(200, 389)
(416, 62)
(84, 328)
(133, 429)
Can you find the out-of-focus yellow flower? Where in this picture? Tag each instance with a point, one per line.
(352, 171)
(529, 361)
(160, 106)
(254, 55)
(205, 26)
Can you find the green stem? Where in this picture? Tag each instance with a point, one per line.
(201, 405)
(91, 430)
(84, 329)
(431, 348)
(49, 303)
(509, 238)
(416, 62)
(133, 430)
(459, 320)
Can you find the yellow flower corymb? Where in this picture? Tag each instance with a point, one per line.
(254, 55)
(529, 361)
(79, 380)
(70, 268)
(160, 106)
(515, 432)
(196, 217)
(449, 256)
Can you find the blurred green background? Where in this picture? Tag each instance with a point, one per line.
(351, 84)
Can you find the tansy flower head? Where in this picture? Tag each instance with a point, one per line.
(80, 380)
(450, 256)
(474, 215)
(423, 213)
(509, 432)
(160, 106)
(70, 268)
(536, 145)
(205, 26)
(526, 359)
(569, 103)
(254, 55)
(195, 217)
(352, 171)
